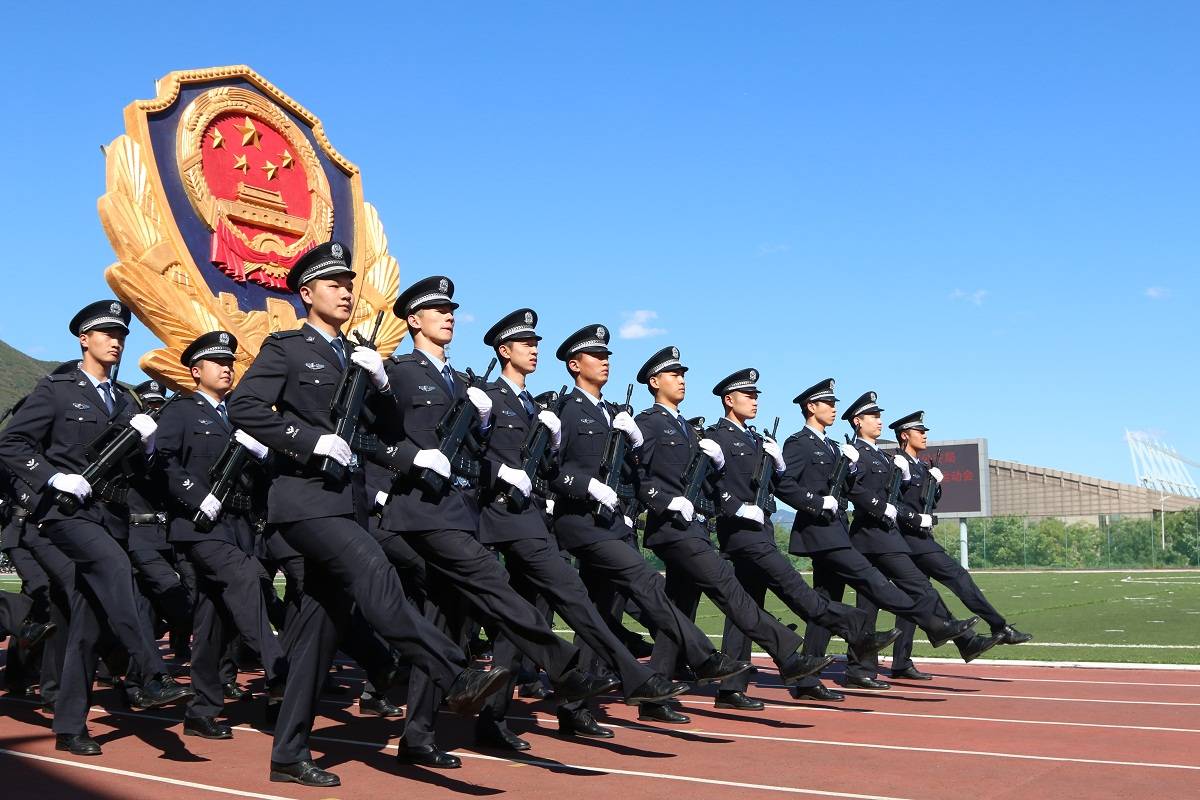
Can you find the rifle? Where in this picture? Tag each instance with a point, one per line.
(930, 487)
(347, 405)
(694, 476)
(117, 442)
(841, 468)
(611, 463)
(762, 478)
(453, 431)
(535, 450)
(222, 477)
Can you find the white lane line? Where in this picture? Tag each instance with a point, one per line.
(143, 776)
(1087, 683)
(975, 695)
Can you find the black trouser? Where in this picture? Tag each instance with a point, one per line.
(161, 585)
(14, 608)
(343, 567)
(232, 599)
(21, 668)
(61, 572)
(945, 570)
(760, 567)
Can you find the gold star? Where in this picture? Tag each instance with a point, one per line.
(217, 139)
(270, 169)
(285, 159)
(250, 134)
(242, 164)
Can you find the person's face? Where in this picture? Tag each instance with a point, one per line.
(917, 439)
(823, 411)
(435, 323)
(214, 376)
(522, 354)
(743, 404)
(869, 425)
(591, 367)
(669, 385)
(104, 345)
(331, 299)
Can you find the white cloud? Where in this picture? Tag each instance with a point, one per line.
(975, 297)
(770, 248)
(635, 327)
(464, 318)
(1157, 293)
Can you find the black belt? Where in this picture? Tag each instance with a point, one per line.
(147, 519)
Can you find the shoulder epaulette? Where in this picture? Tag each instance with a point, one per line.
(400, 358)
(285, 334)
(62, 376)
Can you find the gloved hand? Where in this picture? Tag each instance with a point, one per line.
(553, 424)
(334, 446)
(602, 493)
(516, 478)
(902, 464)
(211, 507)
(628, 522)
(936, 473)
(550, 505)
(72, 484)
(256, 448)
(381, 498)
(144, 425)
(434, 460)
(850, 451)
(926, 522)
(771, 448)
(625, 424)
(482, 403)
(829, 503)
(683, 506)
(713, 451)
(751, 512)
(372, 362)
(889, 511)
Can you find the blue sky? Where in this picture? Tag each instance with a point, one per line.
(988, 212)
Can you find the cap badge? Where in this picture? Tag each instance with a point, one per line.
(114, 308)
(831, 384)
(600, 332)
(223, 338)
(154, 386)
(871, 396)
(753, 375)
(443, 286)
(674, 352)
(528, 317)
(336, 250)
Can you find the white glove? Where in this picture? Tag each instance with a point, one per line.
(381, 498)
(926, 521)
(516, 478)
(628, 522)
(553, 424)
(713, 451)
(144, 425)
(683, 506)
(850, 451)
(936, 473)
(751, 512)
(72, 484)
(902, 464)
(829, 503)
(550, 505)
(372, 362)
(256, 448)
(625, 424)
(889, 511)
(482, 403)
(602, 493)
(211, 507)
(334, 446)
(434, 460)
(771, 448)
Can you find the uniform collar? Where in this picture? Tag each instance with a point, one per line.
(438, 364)
(815, 432)
(596, 400)
(322, 333)
(516, 389)
(212, 401)
(669, 412)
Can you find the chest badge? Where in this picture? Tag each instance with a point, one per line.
(314, 365)
(425, 387)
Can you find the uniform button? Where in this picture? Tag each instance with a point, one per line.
(316, 380)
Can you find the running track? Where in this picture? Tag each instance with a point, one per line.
(980, 731)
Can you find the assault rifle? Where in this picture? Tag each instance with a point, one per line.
(762, 478)
(222, 478)
(837, 484)
(454, 431)
(347, 405)
(536, 448)
(929, 489)
(611, 464)
(695, 475)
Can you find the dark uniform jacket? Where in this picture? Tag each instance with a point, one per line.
(284, 402)
(666, 452)
(810, 461)
(423, 400)
(735, 487)
(871, 531)
(511, 425)
(908, 518)
(50, 433)
(584, 434)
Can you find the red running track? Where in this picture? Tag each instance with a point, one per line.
(979, 731)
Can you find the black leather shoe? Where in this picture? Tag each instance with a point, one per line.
(867, 683)
(489, 734)
(581, 723)
(738, 701)
(428, 755)
(206, 728)
(655, 690)
(472, 687)
(872, 643)
(161, 691)
(77, 744)
(534, 690)
(799, 665)
(234, 692)
(1010, 635)
(378, 707)
(911, 674)
(977, 645)
(34, 633)
(578, 685)
(718, 667)
(818, 692)
(305, 773)
(950, 629)
(657, 712)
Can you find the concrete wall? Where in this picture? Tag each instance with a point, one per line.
(1023, 490)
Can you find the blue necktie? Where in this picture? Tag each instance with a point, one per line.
(223, 413)
(527, 401)
(339, 351)
(684, 428)
(448, 376)
(106, 395)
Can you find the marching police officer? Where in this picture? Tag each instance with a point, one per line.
(45, 446)
(284, 402)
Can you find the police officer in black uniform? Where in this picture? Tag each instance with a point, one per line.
(45, 446)
(22, 658)
(529, 550)
(747, 537)
(284, 402)
(926, 553)
(821, 531)
(193, 435)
